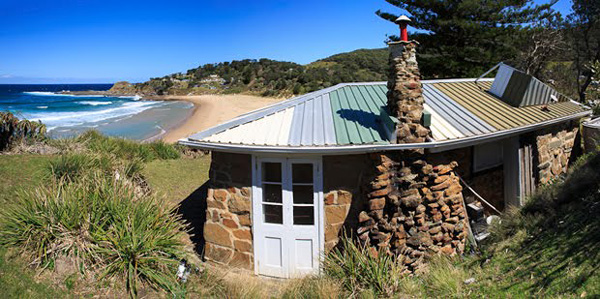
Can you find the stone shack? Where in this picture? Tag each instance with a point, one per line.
(382, 161)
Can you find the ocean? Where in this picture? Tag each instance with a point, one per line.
(70, 115)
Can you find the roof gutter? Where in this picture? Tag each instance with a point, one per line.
(436, 146)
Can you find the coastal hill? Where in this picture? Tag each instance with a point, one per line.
(265, 77)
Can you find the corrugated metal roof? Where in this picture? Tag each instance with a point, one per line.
(356, 114)
(497, 113)
(520, 89)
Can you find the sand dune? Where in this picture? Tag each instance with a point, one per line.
(212, 110)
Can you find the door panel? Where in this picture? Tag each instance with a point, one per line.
(287, 217)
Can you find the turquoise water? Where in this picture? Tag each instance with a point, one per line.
(68, 115)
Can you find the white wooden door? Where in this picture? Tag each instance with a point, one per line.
(287, 216)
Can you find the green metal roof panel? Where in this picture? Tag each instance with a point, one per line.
(356, 111)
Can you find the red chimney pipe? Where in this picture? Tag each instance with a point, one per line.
(403, 21)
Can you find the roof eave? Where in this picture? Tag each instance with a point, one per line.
(436, 146)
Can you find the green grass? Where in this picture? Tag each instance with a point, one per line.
(21, 171)
(177, 179)
(18, 281)
(550, 248)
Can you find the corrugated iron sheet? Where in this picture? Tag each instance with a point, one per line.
(497, 113)
(356, 113)
(272, 129)
(311, 123)
(501, 80)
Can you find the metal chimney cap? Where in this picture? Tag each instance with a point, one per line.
(402, 19)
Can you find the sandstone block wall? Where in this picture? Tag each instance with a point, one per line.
(228, 227)
(555, 147)
(344, 181)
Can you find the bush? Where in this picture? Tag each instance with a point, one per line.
(128, 149)
(70, 167)
(13, 130)
(102, 224)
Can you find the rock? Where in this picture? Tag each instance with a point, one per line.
(469, 281)
(220, 194)
(377, 203)
(330, 198)
(242, 260)
(217, 253)
(411, 201)
(344, 197)
(362, 217)
(217, 234)
(243, 246)
(336, 214)
(230, 223)
(239, 204)
(243, 234)
(245, 220)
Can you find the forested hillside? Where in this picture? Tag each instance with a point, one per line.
(273, 78)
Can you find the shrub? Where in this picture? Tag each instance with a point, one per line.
(358, 269)
(102, 224)
(128, 149)
(13, 130)
(70, 167)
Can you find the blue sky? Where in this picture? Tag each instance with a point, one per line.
(105, 41)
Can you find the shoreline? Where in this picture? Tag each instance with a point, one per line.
(208, 111)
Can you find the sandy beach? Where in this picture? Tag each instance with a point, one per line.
(211, 110)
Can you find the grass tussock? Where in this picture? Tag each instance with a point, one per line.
(360, 270)
(73, 166)
(128, 149)
(13, 130)
(103, 225)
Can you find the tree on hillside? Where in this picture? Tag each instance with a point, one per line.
(584, 29)
(466, 37)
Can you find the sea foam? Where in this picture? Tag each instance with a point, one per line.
(70, 119)
(95, 103)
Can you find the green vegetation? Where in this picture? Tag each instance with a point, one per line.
(360, 269)
(13, 130)
(127, 149)
(69, 227)
(273, 78)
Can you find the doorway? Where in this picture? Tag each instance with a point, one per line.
(287, 216)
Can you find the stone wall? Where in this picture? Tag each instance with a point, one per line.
(555, 147)
(228, 227)
(414, 209)
(405, 95)
(344, 181)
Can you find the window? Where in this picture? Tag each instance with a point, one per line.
(272, 193)
(303, 194)
(487, 155)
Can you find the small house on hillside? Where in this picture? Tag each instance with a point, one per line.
(381, 160)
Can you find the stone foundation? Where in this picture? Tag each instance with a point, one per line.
(228, 227)
(554, 148)
(414, 209)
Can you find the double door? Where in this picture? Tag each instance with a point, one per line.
(287, 216)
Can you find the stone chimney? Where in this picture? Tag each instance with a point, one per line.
(405, 94)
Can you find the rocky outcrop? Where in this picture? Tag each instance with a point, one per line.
(123, 88)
